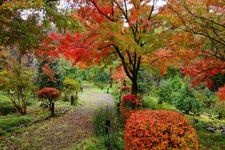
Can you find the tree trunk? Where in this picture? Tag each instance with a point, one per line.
(21, 110)
(124, 83)
(24, 106)
(134, 88)
(72, 100)
(53, 109)
(24, 110)
(50, 105)
(131, 67)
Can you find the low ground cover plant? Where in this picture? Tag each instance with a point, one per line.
(159, 129)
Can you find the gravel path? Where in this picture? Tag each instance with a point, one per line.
(63, 132)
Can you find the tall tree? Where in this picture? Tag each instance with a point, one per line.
(24, 23)
(128, 29)
(204, 20)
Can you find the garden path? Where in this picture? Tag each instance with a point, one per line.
(65, 131)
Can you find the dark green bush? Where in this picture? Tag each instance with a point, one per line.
(177, 92)
(6, 107)
(206, 96)
(189, 104)
(145, 82)
(99, 75)
(101, 78)
(168, 87)
(186, 100)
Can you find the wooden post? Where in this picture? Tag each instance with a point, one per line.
(72, 100)
(53, 109)
(107, 128)
(111, 82)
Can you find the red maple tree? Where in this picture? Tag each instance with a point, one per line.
(129, 30)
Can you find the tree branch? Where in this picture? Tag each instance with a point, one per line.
(100, 11)
(123, 62)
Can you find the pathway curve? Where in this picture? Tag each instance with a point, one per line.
(63, 132)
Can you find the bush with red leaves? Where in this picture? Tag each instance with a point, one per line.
(49, 93)
(129, 103)
(159, 130)
(221, 93)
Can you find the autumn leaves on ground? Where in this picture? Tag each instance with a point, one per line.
(64, 131)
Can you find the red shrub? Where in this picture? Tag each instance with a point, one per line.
(129, 103)
(49, 93)
(159, 130)
(221, 93)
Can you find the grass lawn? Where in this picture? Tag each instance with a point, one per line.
(13, 121)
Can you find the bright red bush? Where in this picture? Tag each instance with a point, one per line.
(49, 93)
(159, 130)
(221, 93)
(129, 103)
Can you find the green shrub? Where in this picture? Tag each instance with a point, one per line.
(189, 104)
(71, 88)
(206, 96)
(6, 107)
(16, 84)
(167, 89)
(145, 82)
(152, 103)
(186, 100)
(71, 85)
(10, 123)
(100, 76)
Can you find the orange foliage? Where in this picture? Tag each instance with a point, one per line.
(202, 70)
(162, 59)
(119, 74)
(47, 70)
(202, 42)
(159, 129)
(221, 93)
